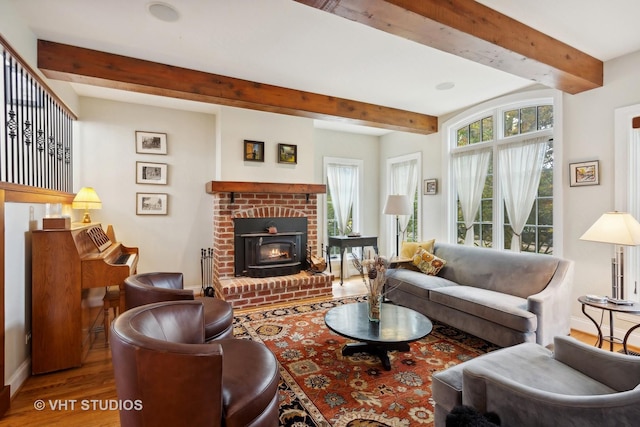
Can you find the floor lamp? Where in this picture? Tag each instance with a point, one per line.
(397, 205)
(620, 229)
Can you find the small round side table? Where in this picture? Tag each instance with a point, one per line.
(611, 308)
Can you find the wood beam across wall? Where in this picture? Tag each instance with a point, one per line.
(80, 65)
(475, 32)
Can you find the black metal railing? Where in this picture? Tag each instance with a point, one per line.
(37, 131)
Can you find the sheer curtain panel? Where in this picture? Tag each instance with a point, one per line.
(342, 180)
(520, 170)
(470, 171)
(404, 180)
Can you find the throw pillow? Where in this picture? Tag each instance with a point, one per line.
(427, 262)
(408, 249)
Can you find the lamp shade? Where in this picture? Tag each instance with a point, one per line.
(397, 204)
(87, 198)
(619, 228)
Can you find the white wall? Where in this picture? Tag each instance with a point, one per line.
(589, 135)
(107, 158)
(400, 143)
(22, 218)
(237, 124)
(330, 143)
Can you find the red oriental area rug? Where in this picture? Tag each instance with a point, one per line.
(320, 387)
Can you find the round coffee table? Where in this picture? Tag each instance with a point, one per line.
(398, 326)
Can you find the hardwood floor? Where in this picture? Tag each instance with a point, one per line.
(81, 397)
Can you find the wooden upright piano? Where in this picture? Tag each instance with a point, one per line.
(69, 265)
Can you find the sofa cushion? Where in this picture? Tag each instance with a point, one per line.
(519, 274)
(408, 249)
(496, 307)
(427, 262)
(415, 282)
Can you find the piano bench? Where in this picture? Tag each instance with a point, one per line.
(110, 301)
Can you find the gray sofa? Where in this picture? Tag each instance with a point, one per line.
(503, 297)
(529, 385)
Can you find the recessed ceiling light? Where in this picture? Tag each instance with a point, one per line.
(163, 11)
(445, 86)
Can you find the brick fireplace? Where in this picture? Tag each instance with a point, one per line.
(262, 200)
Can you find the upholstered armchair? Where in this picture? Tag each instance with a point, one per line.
(146, 288)
(168, 376)
(530, 385)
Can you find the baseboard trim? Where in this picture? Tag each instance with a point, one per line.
(585, 325)
(20, 376)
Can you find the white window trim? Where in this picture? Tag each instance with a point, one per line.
(626, 197)
(390, 220)
(509, 102)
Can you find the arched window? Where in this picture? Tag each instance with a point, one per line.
(500, 158)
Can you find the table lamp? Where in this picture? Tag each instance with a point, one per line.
(397, 204)
(620, 229)
(86, 199)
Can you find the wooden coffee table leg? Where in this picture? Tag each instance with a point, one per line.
(379, 350)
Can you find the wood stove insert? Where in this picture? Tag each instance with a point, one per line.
(266, 247)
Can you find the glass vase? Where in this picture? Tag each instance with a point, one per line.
(374, 301)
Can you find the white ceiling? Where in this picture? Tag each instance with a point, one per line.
(284, 43)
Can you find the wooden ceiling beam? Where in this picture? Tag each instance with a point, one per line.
(475, 32)
(80, 65)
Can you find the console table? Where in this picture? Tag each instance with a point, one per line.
(344, 242)
(611, 308)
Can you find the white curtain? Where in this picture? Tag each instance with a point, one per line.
(342, 181)
(470, 171)
(520, 170)
(404, 180)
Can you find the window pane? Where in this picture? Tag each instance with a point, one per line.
(487, 236)
(486, 210)
(508, 234)
(487, 128)
(528, 239)
(545, 117)
(487, 191)
(528, 119)
(461, 233)
(545, 212)
(463, 136)
(531, 219)
(545, 240)
(511, 119)
(411, 234)
(474, 132)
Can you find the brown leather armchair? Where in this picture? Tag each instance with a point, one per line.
(146, 288)
(166, 374)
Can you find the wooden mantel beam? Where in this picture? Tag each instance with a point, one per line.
(473, 31)
(80, 65)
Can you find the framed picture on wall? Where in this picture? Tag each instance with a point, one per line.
(151, 203)
(288, 153)
(151, 142)
(585, 173)
(151, 173)
(253, 151)
(430, 187)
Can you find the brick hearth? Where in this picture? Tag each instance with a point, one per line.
(263, 202)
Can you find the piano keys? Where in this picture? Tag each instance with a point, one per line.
(67, 268)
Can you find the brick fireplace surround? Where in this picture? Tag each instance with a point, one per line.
(262, 200)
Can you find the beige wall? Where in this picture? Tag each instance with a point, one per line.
(107, 158)
(589, 135)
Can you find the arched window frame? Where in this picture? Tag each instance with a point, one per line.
(496, 108)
